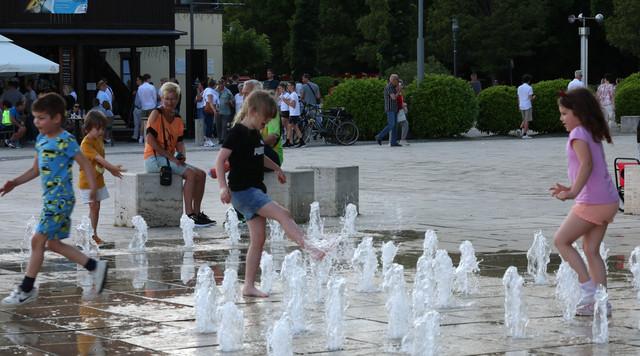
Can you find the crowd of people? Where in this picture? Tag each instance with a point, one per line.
(218, 101)
(18, 96)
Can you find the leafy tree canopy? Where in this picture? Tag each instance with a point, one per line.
(245, 51)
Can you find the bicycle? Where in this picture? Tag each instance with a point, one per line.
(333, 125)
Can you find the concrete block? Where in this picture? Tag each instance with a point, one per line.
(335, 187)
(632, 190)
(296, 194)
(141, 194)
(199, 132)
(629, 124)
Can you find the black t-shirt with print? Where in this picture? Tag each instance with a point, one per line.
(247, 158)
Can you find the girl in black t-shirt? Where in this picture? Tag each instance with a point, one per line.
(244, 149)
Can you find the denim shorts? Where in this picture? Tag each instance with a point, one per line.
(249, 201)
(153, 164)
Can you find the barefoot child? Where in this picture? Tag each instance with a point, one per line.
(56, 149)
(244, 149)
(92, 148)
(596, 199)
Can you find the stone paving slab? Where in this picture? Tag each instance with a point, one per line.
(492, 192)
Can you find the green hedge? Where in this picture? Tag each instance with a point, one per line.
(627, 104)
(546, 118)
(443, 106)
(628, 100)
(324, 82)
(362, 98)
(630, 80)
(408, 71)
(498, 110)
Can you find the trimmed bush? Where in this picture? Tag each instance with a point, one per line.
(546, 118)
(499, 112)
(625, 105)
(443, 106)
(408, 71)
(364, 100)
(324, 82)
(631, 79)
(628, 100)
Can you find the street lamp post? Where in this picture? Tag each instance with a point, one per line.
(420, 44)
(583, 32)
(454, 30)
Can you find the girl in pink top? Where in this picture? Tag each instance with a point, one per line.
(596, 199)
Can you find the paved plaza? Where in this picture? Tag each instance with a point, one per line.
(490, 191)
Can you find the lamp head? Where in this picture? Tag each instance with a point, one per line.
(580, 16)
(599, 18)
(571, 18)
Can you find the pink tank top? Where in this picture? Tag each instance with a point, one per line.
(599, 188)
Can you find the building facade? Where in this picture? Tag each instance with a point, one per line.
(116, 40)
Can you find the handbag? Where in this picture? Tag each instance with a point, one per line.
(165, 171)
(402, 116)
(208, 108)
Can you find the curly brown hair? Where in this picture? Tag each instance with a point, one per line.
(586, 108)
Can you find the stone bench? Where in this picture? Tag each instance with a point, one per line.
(632, 189)
(296, 194)
(335, 187)
(629, 124)
(141, 194)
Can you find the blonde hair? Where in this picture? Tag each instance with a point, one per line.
(169, 87)
(260, 101)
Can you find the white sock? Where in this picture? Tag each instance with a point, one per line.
(588, 287)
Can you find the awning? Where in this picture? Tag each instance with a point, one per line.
(15, 59)
(92, 32)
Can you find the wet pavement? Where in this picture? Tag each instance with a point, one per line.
(452, 186)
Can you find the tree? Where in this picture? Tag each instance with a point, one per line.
(245, 51)
(270, 17)
(302, 51)
(491, 31)
(339, 36)
(622, 29)
(374, 27)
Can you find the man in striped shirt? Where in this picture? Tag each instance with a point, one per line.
(391, 109)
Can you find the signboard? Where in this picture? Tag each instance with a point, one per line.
(57, 6)
(66, 65)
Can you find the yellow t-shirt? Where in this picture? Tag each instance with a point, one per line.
(90, 148)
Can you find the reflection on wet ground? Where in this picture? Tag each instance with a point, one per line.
(147, 307)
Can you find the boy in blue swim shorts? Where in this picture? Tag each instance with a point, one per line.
(56, 149)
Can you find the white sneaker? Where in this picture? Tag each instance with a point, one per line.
(404, 142)
(18, 297)
(100, 275)
(526, 137)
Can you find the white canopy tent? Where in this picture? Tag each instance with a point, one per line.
(15, 59)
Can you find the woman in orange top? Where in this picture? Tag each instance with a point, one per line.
(164, 146)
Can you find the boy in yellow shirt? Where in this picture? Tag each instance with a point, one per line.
(92, 147)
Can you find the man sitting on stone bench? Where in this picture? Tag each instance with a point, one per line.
(164, 146)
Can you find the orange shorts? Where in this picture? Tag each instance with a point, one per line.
(598, 214)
